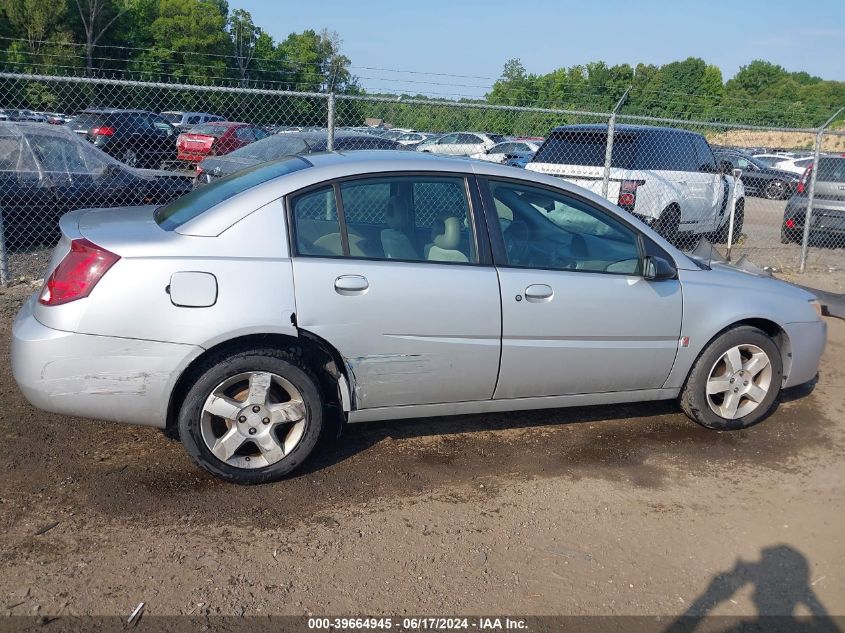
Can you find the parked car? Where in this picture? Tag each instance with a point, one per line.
(794, 165)
(217, 139)
(461, 143)
(514, 153)
(239, 327)
(759, 179)
(827, 223)
(411, 139)
(666, 177)
(135, 137)
(25, 115)
(282, 145)
(184, 120)
(46, 171)
(771, 159)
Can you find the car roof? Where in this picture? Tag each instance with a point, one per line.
(113, 111)
(620, 127)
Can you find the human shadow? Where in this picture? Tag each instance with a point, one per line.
(780, 584)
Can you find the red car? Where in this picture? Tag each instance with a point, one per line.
(216, 139)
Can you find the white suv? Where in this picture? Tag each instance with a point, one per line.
(666, 177)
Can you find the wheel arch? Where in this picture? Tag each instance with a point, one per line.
(318, 353)
(775, 331)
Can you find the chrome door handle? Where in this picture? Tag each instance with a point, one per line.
(539, 293)
(348, 285)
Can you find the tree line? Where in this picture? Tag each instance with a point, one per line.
(203, 42)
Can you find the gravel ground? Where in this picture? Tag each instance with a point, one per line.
(628, 510)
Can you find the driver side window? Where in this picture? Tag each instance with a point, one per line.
(550, 230)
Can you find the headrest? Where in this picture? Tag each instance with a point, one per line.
(446, 233)
(396, 213)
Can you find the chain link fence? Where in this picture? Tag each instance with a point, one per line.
(775, 195)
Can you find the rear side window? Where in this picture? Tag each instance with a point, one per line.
(317, 225)
(197, 202)
(831, 170)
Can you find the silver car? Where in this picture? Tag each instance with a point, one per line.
(385, 285)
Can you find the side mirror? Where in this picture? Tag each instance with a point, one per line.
(725, 166)
(657, 269)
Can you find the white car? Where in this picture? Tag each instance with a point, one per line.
(666, 177)
(501, 152)
(184, 120)
(794, 165)
(412, 138)
(462, 143)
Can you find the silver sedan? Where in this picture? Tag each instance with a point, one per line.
(380, 286)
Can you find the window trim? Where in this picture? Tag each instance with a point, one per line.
(497, 241)
(475, 208)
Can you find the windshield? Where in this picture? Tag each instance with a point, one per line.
(272, 147)
(197, 202)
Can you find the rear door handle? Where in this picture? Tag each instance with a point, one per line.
(539, 293)
(348, 285)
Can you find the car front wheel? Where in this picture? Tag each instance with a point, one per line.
(251, 417)
(735, 381)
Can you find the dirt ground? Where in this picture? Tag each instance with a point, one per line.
(602, 510)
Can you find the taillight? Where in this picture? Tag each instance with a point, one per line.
(628, 194)
(104, 130)
(77, 274)
(804, 183)
(200, 170)
(790, 223)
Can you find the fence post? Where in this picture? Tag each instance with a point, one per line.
(737, 173)
(608, 152)
(811, 192)
(4, 255)
(330, 123)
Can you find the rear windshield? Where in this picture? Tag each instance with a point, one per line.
(497, 138)
(209, 129)
(85, 121)
(587, 147)
(831, 169)
(197, 202)
(272, 147)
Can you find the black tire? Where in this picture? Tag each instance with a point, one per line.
(721, 236)
(130, 157)
(216, 370)
(668, 225)
(776, 190)
(693, 398)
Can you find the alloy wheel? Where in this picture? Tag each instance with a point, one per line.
(739, 381)
(253, 419)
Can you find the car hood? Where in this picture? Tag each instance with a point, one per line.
(757, 280)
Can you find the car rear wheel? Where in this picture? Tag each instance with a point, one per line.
(253, 417)
(668, 225)
(775, 190)
(735, 381)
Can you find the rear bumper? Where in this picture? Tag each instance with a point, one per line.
(102, 377)
(806, 346)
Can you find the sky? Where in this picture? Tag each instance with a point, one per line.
(474, 38)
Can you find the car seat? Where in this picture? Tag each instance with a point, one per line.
(446, 236)
(394, 241)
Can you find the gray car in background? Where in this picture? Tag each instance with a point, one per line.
(827, 222)
(388, 285)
